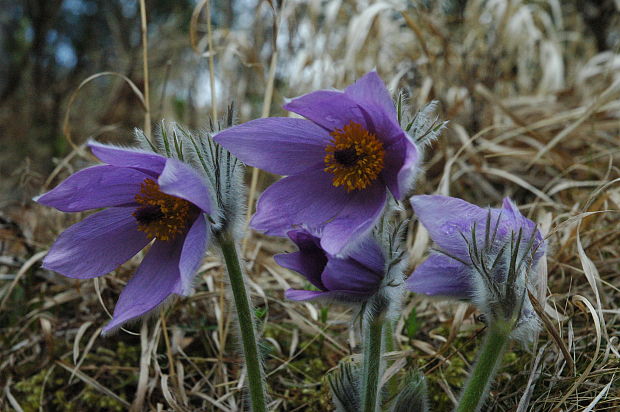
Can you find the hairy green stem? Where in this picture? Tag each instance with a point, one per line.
(246, 323)
(489, 359)
(388, 342)
(373, 351)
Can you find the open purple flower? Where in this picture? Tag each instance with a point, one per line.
(147, 197)
(340, 162)
(351, 278)
(452, 224)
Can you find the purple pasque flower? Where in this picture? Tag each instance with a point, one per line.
(485, 255)
(348, 279)
(340, 162)
(148, 197)
(450, 221)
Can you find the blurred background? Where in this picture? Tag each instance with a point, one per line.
(532, 92)
(552, 49)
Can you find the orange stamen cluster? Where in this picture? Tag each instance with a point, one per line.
(161, 216)
(354, 156)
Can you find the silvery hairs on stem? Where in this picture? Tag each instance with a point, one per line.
(344, 385)
(223, 174)
(390, 235)
(223, 171)
(381, 307)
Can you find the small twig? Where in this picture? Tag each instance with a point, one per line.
(145, 63)
(552, 330)
(211, 62)
(164, 329)
(265, 113)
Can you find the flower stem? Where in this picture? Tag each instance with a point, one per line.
(246, 323)
(388, 342)
(373, 350)
(489, 359)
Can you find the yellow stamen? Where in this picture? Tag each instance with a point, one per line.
(354, 156)
(161, 215)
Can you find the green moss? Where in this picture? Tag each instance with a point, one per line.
(28, 391)
(127, 355)
(94, 400)
(454, 371)
(121, 355)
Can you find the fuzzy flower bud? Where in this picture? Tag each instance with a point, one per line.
(413, 395)
(487, 256)
(344, 385)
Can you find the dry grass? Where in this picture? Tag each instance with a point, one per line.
(534, 113)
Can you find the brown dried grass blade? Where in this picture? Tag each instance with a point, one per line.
(92, 382)
(583, 304)
(66, 129)
(552, 331)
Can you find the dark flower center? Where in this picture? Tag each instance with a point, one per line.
(148, 214)
(347, 157)
(160, 215)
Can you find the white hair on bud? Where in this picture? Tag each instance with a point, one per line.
(500, 291)
(426, 127)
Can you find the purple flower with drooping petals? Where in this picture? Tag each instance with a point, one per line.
(449, 222)
(340, 163)
(348, 279)
(148, 197)
(485, 255)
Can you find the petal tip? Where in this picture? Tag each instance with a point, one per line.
(110, 329)
(279, 258)
(45, 263)
(36, 198)
(92, 142)
(301, 295)
(332, 246)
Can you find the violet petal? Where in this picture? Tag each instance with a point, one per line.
(378, 123)
(369, 254)
(93, 188)
(400, 166)
(446, 218)
(370, 90)
(155, 280)
(511, 211)
(279, 145)
(309, 264)
(329, 109)
(308, 199)
(96, 245)
(149, 162)
(180, 180)
(440, 275)
(193, 252)
(346, 275)
(305, 239)
(299, 294)
(355, 219)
